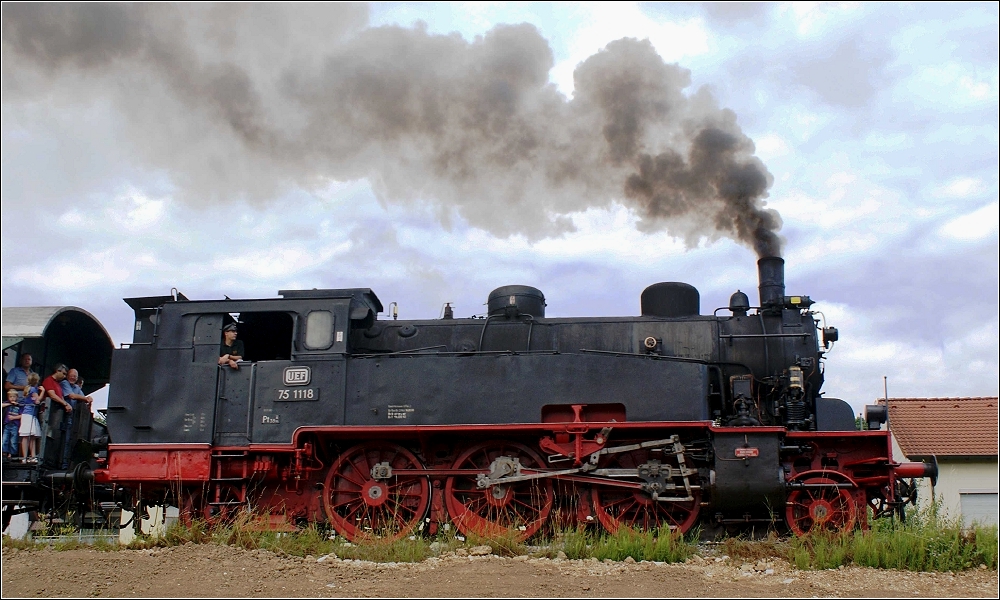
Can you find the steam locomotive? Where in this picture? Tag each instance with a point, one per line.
(504, 424)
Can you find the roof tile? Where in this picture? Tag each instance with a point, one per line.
(944, 426)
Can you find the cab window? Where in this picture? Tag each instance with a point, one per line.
(319, 330)
(266, 335)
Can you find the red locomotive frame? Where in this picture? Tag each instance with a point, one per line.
(434, 475)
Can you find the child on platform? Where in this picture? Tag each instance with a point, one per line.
(11, 424)
(30, 430)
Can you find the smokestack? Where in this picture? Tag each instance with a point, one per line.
(771, 273)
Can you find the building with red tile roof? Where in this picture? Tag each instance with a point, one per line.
(961, 434)
(926, 427)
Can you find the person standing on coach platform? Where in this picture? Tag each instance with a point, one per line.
(54, 395)
(18, 376)
(17, 380)
(53, 388)
(72, 392)
(231, 349)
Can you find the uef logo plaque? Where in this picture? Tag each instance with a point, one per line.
(297, 375)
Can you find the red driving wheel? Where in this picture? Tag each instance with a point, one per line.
(519, 509)
(360, 506)
(617, 507)
(822, 506)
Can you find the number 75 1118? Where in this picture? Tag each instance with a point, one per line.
(297, 394)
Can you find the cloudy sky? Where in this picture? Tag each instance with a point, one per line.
(433, 152)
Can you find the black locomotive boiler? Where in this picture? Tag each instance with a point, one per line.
(506, 423)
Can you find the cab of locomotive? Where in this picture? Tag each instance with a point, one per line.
(294, 356)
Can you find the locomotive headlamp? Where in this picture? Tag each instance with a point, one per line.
(830, 334)
(876, 415)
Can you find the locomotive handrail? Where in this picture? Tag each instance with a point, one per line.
(652, 356)
(508, 352)
(749, 308)
(410, 351)
(414, 352)
(661, 357)
(764, 335)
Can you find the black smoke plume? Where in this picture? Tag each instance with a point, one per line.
(247, 102)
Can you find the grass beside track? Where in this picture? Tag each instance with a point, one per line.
(926, 542)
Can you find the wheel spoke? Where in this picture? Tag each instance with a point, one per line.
(616, 504)
(352, 475)
(346, 502)
(367, 461)
(526, 507)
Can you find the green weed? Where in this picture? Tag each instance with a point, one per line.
(656, 545)
(820, 550)
(575, 543)
(927, 541)
(404, 550)
(507, 543)
(13, 544)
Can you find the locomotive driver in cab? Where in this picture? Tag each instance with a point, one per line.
(231, 349)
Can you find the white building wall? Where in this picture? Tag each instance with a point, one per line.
(955, 476)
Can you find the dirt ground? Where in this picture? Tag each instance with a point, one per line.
(218, 571)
